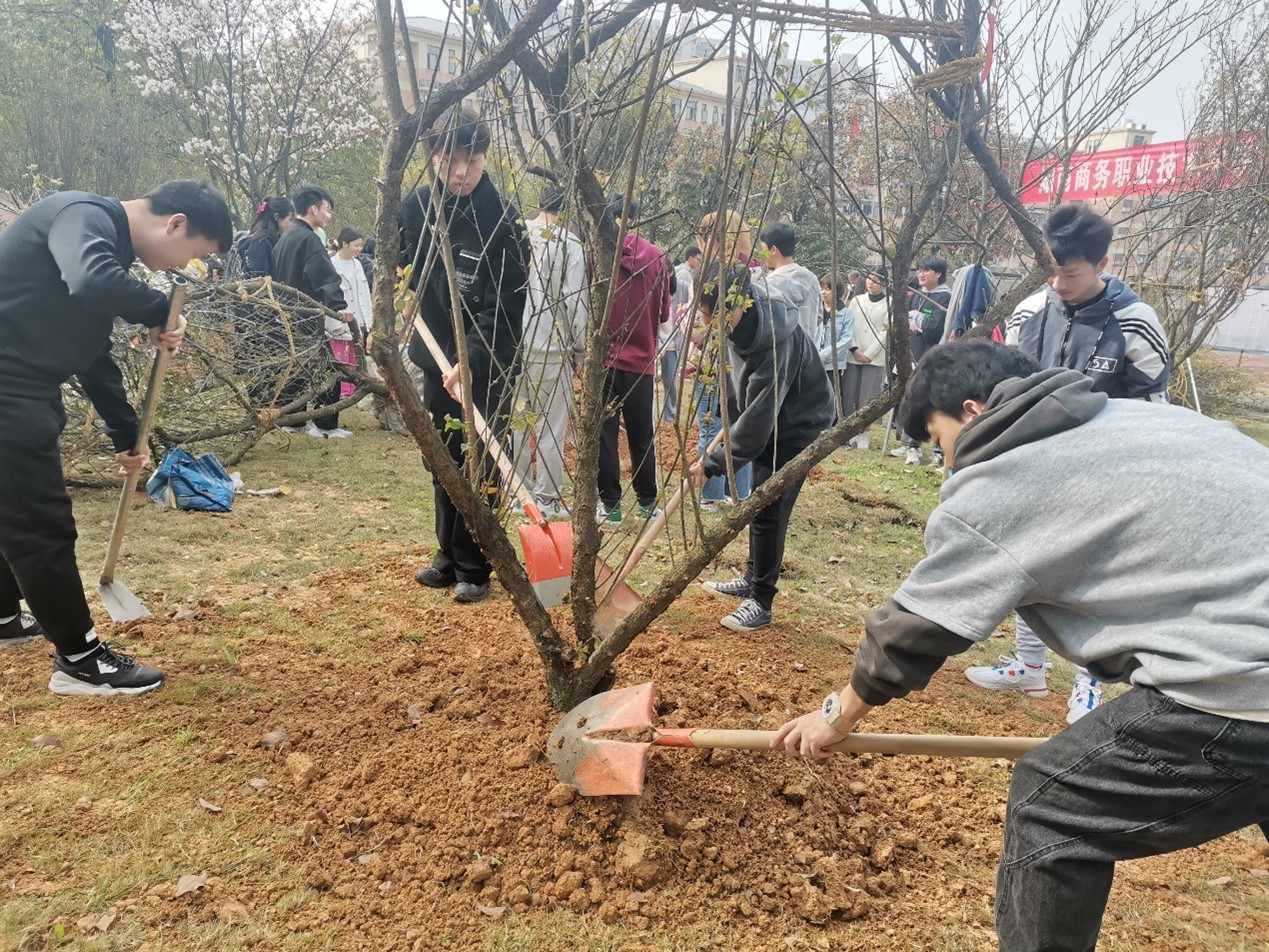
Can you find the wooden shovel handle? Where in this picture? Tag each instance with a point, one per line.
(934, 745)
(149, 407)
(514, 482)
(651, 533)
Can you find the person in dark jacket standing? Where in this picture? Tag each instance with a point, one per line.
(490, 254)
(66, 264)
(300, 260)
(252, 255)
(927, 316)
(640, 305)
(782, 402)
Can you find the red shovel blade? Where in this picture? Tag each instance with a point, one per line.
(599, 767)
(548, 559)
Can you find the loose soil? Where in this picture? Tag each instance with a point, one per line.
(402, 789)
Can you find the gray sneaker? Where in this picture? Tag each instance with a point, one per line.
(750, 616)
(736, 588)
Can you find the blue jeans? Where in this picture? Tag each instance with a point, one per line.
(708, 422)
(1139, 776)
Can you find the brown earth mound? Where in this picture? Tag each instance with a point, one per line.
(421, 807)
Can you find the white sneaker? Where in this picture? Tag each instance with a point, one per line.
(913, 456)
(1085, 696)
(899, 451)
(314, 432)
(339, 433)
(1010, 675)
(292, 429)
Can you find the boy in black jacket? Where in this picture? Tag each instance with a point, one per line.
(65, 263)
(491, 256)
(782, 402)
(301, 261)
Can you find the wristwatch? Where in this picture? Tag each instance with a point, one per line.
(832, 711)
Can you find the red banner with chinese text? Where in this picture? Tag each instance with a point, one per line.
(1156, 169)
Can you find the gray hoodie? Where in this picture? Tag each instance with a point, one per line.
(1131, 536)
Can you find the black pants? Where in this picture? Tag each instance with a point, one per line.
(629, 398)
(769, 528)
(37, 528)
(326, 399)
(457, 552)
(1139, 776)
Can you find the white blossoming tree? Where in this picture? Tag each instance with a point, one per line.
(262, 88)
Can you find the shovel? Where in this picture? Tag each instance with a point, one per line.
(614, 598)
(600, 766)
(548, 546)
(117, 597)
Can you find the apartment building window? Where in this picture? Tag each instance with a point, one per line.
(1127, 204)
(433, 57)
(1117, 260)
(716, 119)
(691, 111)
(453, 63)
(676, 107)
(1138, 140)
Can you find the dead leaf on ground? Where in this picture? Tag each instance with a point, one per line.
(190, 882)
(41, 741)
(414, 713)
(493, 912)
(208, 805)
(275, 739)
(233, 914)
(1220, 881)
(257, 783)
(488, 720)
(96, 922)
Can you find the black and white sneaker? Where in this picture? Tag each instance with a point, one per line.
(736, 588)
(20, 630)
(107, 672)
(750, 616)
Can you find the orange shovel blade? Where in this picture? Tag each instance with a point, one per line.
(597, 766)
(548, 559)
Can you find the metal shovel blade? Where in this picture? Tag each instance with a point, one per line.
(548, 560)
(120, 602)
(598, 767)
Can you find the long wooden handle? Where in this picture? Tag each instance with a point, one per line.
(515, 483)
(651, 532)
(149, 407)
(935, 745)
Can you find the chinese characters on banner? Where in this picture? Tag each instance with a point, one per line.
(1157, 169)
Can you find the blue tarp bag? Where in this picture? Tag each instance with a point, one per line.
(182, 482)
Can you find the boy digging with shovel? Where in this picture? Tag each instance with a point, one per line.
(65, 262)
(1156, 587)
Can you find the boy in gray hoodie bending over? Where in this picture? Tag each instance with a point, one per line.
(1152, 587)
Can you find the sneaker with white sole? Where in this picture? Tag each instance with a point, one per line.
(314, 431)
(19, 630)
(292, 429)
(899, 451)
(107, 672)
(912, 457)
(1010, 675)
(339, 433)
(736, 588)
(609, 519)
(1085, 696)
(750, 616)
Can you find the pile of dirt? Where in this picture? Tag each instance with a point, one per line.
(413, 782)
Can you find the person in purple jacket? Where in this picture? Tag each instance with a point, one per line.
(641, 303)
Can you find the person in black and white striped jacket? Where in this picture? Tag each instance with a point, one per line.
(1091, 322)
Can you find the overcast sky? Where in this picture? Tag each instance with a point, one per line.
(1161, 106)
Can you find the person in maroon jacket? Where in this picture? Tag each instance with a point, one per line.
(641, 302)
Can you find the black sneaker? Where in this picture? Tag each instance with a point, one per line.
(750, 616)
(469, 592)
(20, 630)
(107, 672)
(434, 578)
(736, 588)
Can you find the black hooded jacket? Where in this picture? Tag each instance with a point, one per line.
(491, 256)
(65, 264)
(302, 261)
(781, 392)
